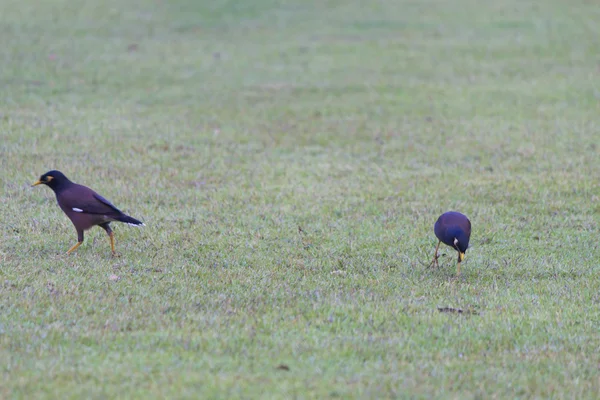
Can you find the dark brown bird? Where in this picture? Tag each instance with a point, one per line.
(453, 229)
(84, 207)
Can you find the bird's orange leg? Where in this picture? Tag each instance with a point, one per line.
(435, 256)
(112, 242)
(75, 246)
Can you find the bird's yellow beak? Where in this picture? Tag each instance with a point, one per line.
(38, 182)
(461, 256)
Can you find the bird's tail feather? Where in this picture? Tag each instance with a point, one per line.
(130, 221)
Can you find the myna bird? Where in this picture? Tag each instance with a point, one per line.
(453, 229)
(84, 207)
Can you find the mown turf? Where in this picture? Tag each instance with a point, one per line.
(289, 160)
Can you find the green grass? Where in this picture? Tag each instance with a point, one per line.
(226, 126)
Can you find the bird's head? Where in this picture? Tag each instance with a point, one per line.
(461, 244)
(52, 179)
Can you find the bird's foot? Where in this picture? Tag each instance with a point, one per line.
(434, 262)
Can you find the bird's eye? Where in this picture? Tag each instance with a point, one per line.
(49, 178)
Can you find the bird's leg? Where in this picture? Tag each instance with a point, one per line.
(79, 241)
(461, 256)
(111, 236)
(435, 256)
(75, 246)
(112, 242)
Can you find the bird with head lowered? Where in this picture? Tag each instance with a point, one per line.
(84, 207)
(453, 229)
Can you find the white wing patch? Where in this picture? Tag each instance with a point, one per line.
(136, 225)
(77, 209)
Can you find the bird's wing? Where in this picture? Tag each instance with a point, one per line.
(106, 202)
(81, 199)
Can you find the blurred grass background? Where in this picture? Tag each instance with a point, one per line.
(289, 160)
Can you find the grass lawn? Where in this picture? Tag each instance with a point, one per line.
(289, 160)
